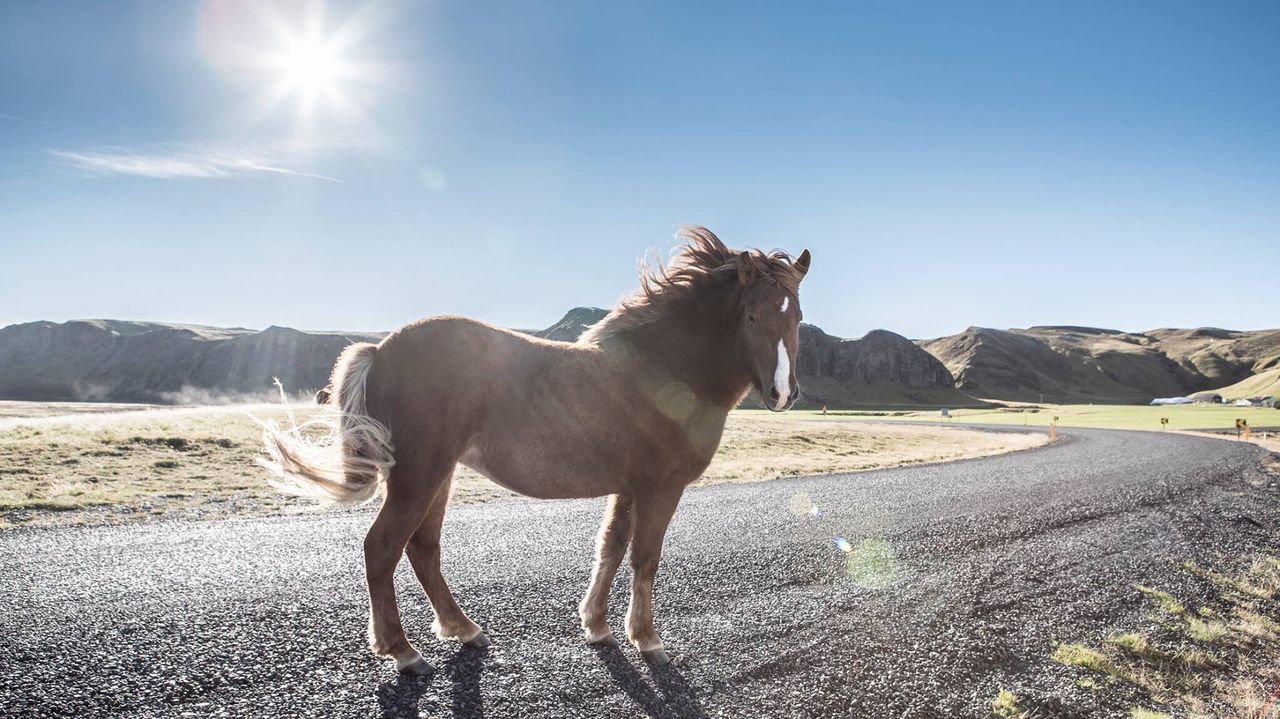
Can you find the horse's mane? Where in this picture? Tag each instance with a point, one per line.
(701, 266)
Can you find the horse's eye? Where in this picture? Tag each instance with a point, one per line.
(751, 319)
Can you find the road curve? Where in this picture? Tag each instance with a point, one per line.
(975, 570)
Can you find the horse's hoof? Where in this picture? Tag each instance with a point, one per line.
(656, 657)
(608, 641)
(479, 641)
(416, 668)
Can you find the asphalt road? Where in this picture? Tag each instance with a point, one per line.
(962, 579)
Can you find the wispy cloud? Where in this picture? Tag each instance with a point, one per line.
(185, 162)
(15, 118)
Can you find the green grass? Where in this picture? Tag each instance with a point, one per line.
(1078, 655)
(1164, 601)
(1182, 417)
(1220, 661)
(1005, 706)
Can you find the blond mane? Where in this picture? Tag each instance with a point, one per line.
(701, 266)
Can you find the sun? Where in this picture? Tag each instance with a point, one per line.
(300, 59)
(310, 65)
(312, 69)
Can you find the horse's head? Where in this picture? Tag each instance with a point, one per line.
(768, 333)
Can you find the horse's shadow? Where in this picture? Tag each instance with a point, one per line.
(664, 695)
(400, 697)
(673, 698)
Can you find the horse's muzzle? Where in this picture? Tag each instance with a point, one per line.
(772, 397)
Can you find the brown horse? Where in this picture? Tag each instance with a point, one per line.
(633, 410)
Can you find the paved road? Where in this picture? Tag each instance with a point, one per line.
(974, 571)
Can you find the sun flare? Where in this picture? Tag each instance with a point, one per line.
(310, 65)
(311, 69)
(304, 60)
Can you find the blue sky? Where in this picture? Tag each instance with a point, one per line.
(949, 164)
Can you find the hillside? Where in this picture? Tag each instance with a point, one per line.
(110, 360)
(1263, 384)
(880, 369)
(1085, 364)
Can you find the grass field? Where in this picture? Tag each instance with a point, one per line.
(88, 467)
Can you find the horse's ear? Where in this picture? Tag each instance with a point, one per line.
(746, 268)
(802, 263)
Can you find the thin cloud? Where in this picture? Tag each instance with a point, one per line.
(181, 164)
(7, 116)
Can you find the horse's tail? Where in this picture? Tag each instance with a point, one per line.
(341, 457)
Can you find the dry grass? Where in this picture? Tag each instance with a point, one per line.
(59, 468)
(1214, 661)
(120, 467)
(28, 410)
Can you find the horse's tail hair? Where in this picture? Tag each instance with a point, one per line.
(342, 456)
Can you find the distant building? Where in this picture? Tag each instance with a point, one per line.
(1172, 400)
(1206, 398)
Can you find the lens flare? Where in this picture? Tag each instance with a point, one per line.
(800, 505)
(872, 564)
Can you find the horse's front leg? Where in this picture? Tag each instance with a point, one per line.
(611, 546)
(652, 514)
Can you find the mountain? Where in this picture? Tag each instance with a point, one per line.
(1087, 364)
(880, 369)
(110, 360)
(572, 325)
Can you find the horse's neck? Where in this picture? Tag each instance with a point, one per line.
(701, 359)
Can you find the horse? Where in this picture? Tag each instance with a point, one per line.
(634, 410)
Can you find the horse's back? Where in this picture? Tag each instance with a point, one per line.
(543, 418)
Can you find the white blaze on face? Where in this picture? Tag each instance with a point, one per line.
(782, 376)
(786, 302)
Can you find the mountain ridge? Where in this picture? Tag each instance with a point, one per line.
(1068, 363)
(126, 361)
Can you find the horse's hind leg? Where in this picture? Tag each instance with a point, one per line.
(653, 514)
(424, 554)
(409, 491)
(611, 545)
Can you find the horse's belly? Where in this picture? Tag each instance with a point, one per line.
(542, 476)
